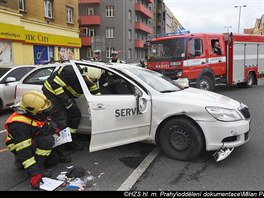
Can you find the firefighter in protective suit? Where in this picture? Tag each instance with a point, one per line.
(62, 88)
(30, 135)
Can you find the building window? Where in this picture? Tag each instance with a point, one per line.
(129, 52)
(90, 11)
(109, 51)
(22, 5)
(69, 12)
(109, 32)
(90, 31)
(129, 35)
(110, 11)
(89, 53)
(48, 7)
(129, 15)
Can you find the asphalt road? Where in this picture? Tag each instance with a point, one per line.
(131, 166)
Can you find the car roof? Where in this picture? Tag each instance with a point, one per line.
(105, 64)
(9, 68)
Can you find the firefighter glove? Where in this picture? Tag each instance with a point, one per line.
(69, 103)
(35, 181)
(49, 128)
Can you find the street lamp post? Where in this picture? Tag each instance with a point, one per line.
(227, 28)
(239, 15)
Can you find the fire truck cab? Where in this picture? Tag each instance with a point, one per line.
(239, 60)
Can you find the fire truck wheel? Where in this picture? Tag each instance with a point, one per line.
(250, 80)
(181, 139)
(205, 83)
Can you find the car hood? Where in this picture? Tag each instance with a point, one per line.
(202, 98)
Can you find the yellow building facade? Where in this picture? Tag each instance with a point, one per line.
(36, 32)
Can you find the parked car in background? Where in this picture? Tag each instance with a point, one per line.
(137, 104)
(9, 76)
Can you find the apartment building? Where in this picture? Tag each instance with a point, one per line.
(259, 26)
(115, 25)
(170, 21)
(34, 32)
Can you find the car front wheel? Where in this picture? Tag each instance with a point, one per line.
(181, 139)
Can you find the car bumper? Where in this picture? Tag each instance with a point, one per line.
(225, 134)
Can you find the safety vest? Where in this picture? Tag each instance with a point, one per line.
(15, 117)
(117, 61)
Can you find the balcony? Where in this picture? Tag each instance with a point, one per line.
(143, 27)
(143, 10)
(89, 1)
(139, 44)
(90, 20)
(86, 40)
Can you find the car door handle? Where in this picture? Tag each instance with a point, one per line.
(99, 106)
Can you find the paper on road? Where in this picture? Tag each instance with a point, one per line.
(50, 184)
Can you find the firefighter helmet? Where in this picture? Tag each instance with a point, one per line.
(92, 73)
(34, 102)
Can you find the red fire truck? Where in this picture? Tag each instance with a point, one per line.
(240, 62)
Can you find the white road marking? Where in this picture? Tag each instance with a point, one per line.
(131, 180)
(3, 131)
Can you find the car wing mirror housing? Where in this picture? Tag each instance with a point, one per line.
(141, 101)
(10, 79)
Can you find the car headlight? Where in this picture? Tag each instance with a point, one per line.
(223, 114)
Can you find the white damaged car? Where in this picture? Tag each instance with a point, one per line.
(138, 104)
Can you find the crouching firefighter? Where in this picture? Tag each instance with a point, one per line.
(62, 88)
(30, 136)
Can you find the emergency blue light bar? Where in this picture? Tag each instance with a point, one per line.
(177, 32)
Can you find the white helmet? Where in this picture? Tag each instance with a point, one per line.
(97, 51)
(114, 53)
(92, 73)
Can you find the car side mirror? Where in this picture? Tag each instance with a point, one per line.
(141, 102)
(182, 82)
(10, 79)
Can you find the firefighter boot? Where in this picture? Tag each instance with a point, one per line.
(63, 157)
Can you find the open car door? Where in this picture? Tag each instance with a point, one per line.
(116, 118)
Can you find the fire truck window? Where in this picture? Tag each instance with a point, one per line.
(196, 47)
(216, 49)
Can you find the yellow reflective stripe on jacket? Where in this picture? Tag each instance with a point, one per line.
(60, 90)
(73, 92)
(42, 152)
(9, 137)
(11, 146)
(72, 130)
(59, 81)
(25, 120)
(24, 144)
(93, 87)
(60, 70)
(21, 118)
(56, 91)
(48, 87)
(27, 163)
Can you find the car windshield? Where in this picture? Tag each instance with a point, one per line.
(173, 49)
(155, 80)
